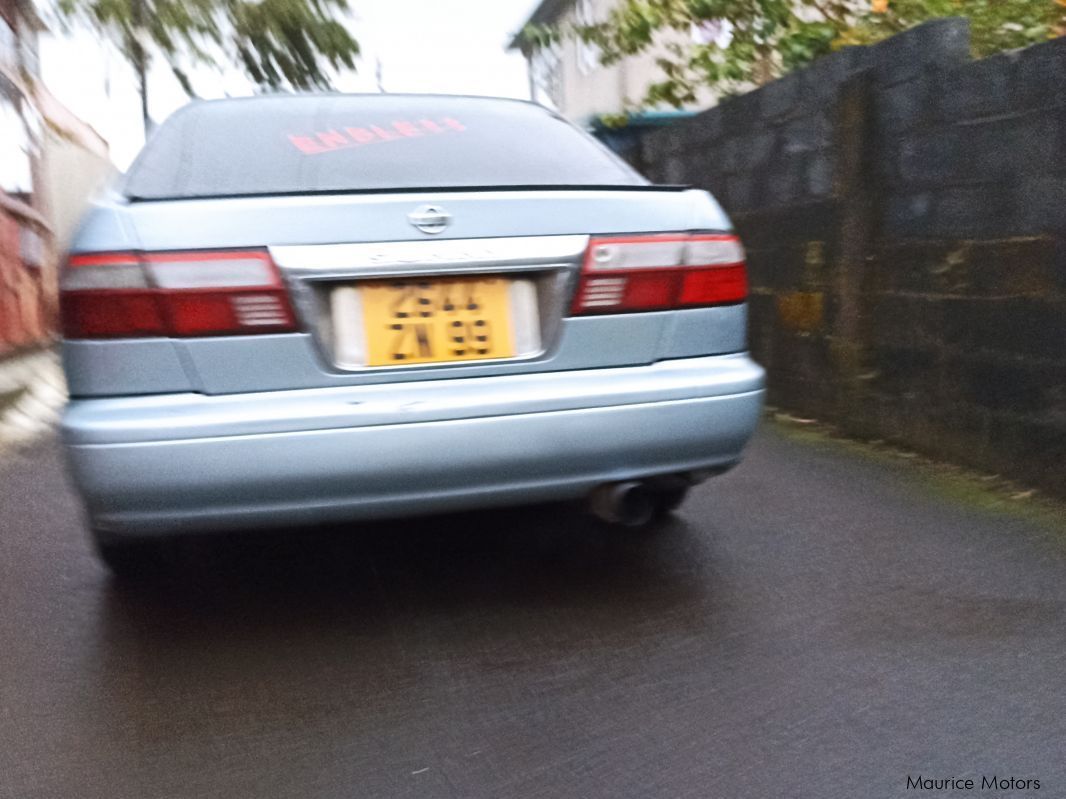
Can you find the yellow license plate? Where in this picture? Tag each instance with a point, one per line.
(434, 320)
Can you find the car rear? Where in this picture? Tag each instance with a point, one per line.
(329, 308)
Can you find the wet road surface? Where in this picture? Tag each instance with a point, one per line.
(813, 624)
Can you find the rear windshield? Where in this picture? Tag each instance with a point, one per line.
(337, 143)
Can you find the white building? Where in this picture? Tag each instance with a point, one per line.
(569, 77)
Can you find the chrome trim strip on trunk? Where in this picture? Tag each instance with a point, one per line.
(449, 256)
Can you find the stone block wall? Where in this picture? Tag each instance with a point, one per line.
(904, 210)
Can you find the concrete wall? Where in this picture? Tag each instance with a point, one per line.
(26, 301)
(904, 208)
(71, 175)
(66, 160)
(26, 305)
(74, 165)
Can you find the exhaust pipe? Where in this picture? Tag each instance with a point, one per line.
(629, 504)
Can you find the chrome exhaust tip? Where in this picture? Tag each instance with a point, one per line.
(629, 504)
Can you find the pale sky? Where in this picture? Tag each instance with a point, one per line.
(436, 46)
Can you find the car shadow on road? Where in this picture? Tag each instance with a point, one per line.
(437, 629)
(494, 564)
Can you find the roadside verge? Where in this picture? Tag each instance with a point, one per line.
(981, 491)
(32, 392)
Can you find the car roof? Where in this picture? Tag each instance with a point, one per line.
(357, 99)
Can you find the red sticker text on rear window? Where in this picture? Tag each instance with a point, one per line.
(342, 138)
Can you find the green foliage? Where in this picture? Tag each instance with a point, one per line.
(767, 38)
(995, 25)
(278, 43)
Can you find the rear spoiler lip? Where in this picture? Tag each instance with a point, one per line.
(650, 187)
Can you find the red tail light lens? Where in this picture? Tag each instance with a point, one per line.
(111, 313)
(659, 272)
(120, 295)
(718, 285)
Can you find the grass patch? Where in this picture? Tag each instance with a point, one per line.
(991, 493)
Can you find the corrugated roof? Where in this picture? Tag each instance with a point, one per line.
(642, 119)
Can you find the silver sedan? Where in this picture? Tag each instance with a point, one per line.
(327, 308)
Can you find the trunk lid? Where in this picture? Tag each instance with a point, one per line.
(328, 245)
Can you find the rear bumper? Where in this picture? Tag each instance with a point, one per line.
(187, 462)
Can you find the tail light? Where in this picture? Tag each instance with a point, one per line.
(660, 272)
(113, 295)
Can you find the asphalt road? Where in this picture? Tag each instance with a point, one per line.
(815, 624)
